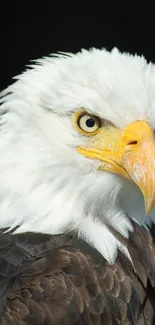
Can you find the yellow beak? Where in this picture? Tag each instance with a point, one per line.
(129, 153)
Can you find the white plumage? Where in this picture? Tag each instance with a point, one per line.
(46, 184)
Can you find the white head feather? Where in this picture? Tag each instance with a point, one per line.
(46, 185)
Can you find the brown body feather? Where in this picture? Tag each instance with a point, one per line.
(59, 280)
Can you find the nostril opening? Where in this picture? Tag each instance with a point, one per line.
(132, 142)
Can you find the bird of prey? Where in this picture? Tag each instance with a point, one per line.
(77, 191)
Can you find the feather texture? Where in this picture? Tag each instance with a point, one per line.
(41, 172)
(70, 250)
(55, 280)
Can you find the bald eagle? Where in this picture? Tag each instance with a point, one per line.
(77, 191)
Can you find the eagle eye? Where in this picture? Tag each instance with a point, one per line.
(87, 124)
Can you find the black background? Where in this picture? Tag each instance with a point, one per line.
(29, 30)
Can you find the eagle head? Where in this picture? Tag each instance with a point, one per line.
(77, 147)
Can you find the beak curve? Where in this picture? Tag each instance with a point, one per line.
(139, 160)
(129, 153)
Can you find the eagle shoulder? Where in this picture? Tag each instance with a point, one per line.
(59, 280)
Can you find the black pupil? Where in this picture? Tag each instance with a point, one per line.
(90, 122)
